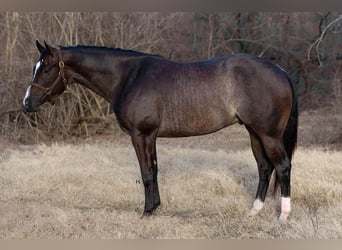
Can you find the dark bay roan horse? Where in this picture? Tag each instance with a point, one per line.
(152, 96)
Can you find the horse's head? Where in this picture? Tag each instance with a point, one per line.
(48, 79)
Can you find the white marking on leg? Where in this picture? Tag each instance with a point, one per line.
(27, 94)
(285, 208)
(257, 206)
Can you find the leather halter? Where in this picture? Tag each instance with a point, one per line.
(48, 91)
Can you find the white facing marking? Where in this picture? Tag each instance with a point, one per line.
(285, 208)
(39, 63)
(27, 94)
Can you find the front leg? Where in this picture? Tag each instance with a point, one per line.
(144, 145)
(156, 197)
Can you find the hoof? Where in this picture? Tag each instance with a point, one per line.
(144, 215)
(148, 213)
(257, 206)
(253, 212)
(283, 217)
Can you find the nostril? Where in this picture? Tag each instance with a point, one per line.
(26, 104)
(31, 104)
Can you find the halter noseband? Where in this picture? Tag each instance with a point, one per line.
(61, 76)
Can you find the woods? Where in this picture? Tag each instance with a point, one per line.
(308, 45)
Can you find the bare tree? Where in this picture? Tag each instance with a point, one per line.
(308, 45)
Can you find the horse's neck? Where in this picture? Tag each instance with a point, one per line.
(91, 75)
(97, 87)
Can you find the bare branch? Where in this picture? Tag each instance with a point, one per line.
(319, 41)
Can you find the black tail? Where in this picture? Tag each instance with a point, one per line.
(290, 134)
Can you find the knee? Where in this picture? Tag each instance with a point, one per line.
(147, 177)
(266, 170)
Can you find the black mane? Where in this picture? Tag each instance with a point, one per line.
(117, 51)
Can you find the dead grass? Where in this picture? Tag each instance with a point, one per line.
(66, 191)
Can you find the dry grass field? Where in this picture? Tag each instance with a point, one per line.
(207, 185)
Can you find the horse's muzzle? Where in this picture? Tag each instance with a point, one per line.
(31, 104)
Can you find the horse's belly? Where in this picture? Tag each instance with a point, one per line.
(194, 123)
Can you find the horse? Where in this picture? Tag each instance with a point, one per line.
(152, 96)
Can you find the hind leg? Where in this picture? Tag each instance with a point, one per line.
(265, 169)
(276, 152)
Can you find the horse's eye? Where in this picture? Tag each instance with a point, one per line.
(47, 69)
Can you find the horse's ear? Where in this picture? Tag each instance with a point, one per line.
(40, 47)
(49, 48)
